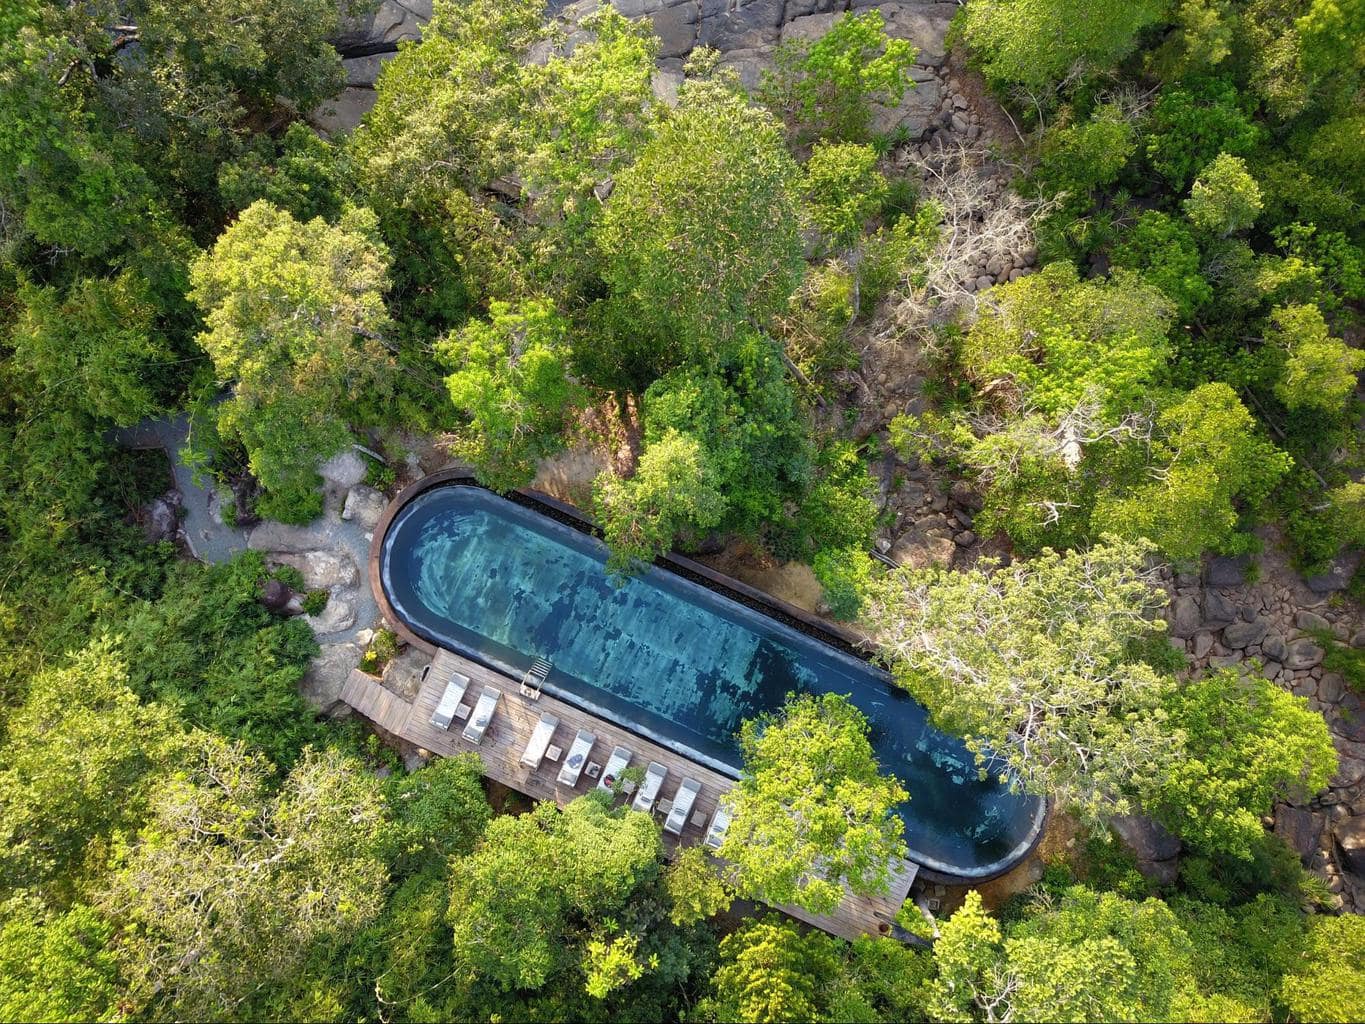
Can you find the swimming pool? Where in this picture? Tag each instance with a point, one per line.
(672, 660)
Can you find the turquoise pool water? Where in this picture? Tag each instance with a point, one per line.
(672, 660)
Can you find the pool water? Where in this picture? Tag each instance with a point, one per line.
(672, 660)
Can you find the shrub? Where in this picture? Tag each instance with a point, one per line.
(827, 88)
(1224, 198)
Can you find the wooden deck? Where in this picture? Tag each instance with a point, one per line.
(506, 739)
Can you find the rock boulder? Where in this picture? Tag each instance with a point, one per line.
(1300, 828)
(321, 684)
(1349, 834)
(365, 505)
(1241, 635)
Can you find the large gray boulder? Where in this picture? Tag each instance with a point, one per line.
(1185, 616)
(380, 31)
(1300, 828)
(1241, 635)
(326, 675)
(920, 550)
(1227, 572)
(1349, 834)
(1219, 609)
(344, 470)
(1302, 654)
(322, 570)
(1148, 839)
(748, 25)
(364, 505)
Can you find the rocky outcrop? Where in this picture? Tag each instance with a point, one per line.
(364, 505)
(1156, 849)
(1273, 625)
(326, 675)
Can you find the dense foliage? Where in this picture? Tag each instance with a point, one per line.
(525, 250)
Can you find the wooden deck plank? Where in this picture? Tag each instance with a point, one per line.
(510, 729)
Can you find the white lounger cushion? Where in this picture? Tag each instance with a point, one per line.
(450, 700)
(576, 758)
(720, 824)
(649, 789)
(481, 715)
(540, 740)
(682, 806)
(616, 764)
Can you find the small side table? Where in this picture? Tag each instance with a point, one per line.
(665, 806)
(462, 712)
(552, 753)
(594, 769)
(699, 819)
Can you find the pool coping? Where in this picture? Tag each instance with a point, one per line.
(838, 637)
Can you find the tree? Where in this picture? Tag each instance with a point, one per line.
(1224, 198)
(228, 885)
(844, 189)
(538, 879)
(751, 428)
(1049, 341)
(1319, 370)
(1035, 44)
(771, 972)
(826, 88)
(701, 236)
(93, 347)
(694, 887)
(295, 316)
(1191, 125)
(1250, 745)
(56, 966)
(512, 381)
(812, 812)
(82, 758)
(1328, 982)
(1205, 459)
(1033, 665)
(1163, 249)
(672, 491)
(1085, 957)
(437, 813)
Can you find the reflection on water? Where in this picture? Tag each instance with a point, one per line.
(673, 660)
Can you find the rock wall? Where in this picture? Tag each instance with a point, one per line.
(745, 31)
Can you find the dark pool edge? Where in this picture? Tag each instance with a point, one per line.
(751, 597)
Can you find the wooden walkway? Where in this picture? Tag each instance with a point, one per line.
(506, 739)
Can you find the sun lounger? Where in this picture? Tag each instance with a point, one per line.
(481, 715)
(540, 740)
(682, 806)
(616, 764)
(649, 789)
(720, 824)
(577, 758)
(450, 700)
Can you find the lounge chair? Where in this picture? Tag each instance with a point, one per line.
(616, 764)
(720, 824)
(649, 789)
(577, 758)
(682, 806)
(540, 740)
(481, 715)
(450, 700)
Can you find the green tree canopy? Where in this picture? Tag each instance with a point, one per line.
(295, 320)
(673, 491)
(1036, 43)
(512, 381)
(826, 87)
(1033, 665)
(82, 757)
(1250, 745)
(701, 236)
(812, 811)
(229, 883)
(541, 879)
